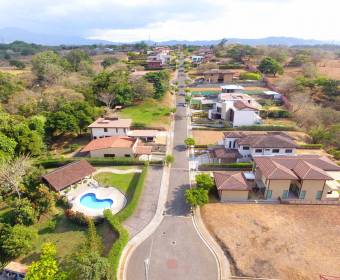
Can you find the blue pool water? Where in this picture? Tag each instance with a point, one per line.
(91, 201)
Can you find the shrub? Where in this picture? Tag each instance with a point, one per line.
(204, 181)
(196, 197)
(275, 114)
(76, 217)
(169, 159)
(234, 165)
(250, 76)
(23, 212)
(311, 146)
(335, 153)
(189, 141)
(51, 225)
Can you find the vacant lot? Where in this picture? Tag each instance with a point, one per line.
(207, 137)
(278, 241)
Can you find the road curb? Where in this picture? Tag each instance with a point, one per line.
(222, 261)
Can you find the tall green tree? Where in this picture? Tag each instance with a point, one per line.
(77, 59)
(270, 66)
(160, 81)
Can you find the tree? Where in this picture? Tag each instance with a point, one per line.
(48, 66)
(12, 173)
(142, 89)
(47, 267)
(23, 213)
(108, 61)
(300, 58)
(93, 241)
(77, 59)
(204, 181)
(160, 81)
(17, 63)
(270, 66)
(240, 53)
(115, 83)
(169, 159)
(189, 141)
(319, 134)
(8, 86)
(43, 199)
(60, 123)
(19, 241)
(196, 197)
(7, 146)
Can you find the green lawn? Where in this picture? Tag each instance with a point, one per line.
(148, 113)
(67, 236)
(126, 183)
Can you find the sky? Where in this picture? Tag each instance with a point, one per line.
(160, 20)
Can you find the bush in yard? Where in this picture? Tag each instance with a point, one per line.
(204, 181)
(189, 141)
(23, 212)
(250, 76)
(19, 241)
(196, 197)
(76, 217)
(47, 267)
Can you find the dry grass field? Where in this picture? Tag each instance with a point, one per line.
(277, 241)
(207, 137)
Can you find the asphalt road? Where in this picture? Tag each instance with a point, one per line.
(174, 250)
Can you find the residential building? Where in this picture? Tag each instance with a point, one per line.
(197, 59)
(232, 89)
(237, 108)
(68, 175)
(239, 146)
(109, 126)
(146, 135)
(232, 186)
(217, 76)
(116, 146)
(305, 177)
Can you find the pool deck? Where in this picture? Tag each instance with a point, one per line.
(74, 196)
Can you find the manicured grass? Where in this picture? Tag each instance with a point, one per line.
(120, 181)
(148, 113)
(67, 236)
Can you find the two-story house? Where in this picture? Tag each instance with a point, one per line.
(237, 108)
(109, 126)
(242, 146)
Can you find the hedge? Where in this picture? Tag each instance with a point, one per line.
(116, 223)
(250, 76)
(233, 165)
(251, 128)
(58, 162)
(311, 146)
(201, 146)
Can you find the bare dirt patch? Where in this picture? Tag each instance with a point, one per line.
(277, 241)
(207, 137)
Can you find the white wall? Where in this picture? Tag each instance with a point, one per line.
(245, 117)
(99, 132)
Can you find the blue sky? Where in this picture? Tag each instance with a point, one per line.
(132, 20)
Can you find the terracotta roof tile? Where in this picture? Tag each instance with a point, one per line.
(232, 181)
(68, 174)
(241, 105)
(226, 153)
(143, 150)
(267, 141)
(110, 142)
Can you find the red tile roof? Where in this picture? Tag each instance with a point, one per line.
(110, 142)
(310, 167)
(143, 150)
(267, 141)
(225, 153)
(68, 174)
(230, 181)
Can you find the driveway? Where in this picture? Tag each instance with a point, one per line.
(175, 250)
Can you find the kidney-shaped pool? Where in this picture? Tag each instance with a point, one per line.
(91, 201)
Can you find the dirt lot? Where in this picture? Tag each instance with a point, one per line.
(207, 137)
(278, 241)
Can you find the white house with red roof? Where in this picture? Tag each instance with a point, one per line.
(109, 126)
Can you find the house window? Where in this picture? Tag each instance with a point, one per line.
(105, 129)
(318, 195)
(288, 151)
(94, 137)
(116, 130)
(229, 144)
(258, 150)
(127, 155)
(275, 151)
(269, 194)
(302, 195)
(285, 194)
(245, 148)
(234, 144)
(124, 130)
(109, 155)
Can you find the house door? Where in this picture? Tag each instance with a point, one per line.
(294, 189)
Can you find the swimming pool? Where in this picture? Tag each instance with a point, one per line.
(91, 201)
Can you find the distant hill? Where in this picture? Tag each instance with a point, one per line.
(8, 35)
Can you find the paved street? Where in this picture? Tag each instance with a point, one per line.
(174, 250)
